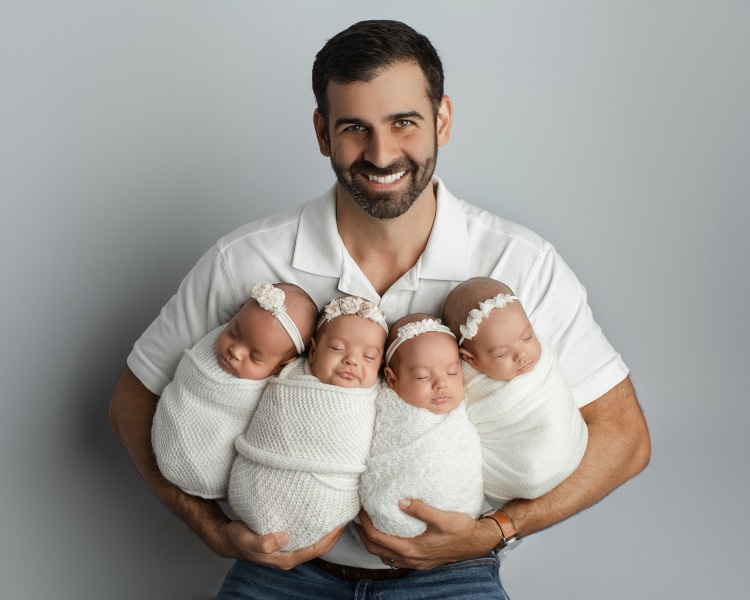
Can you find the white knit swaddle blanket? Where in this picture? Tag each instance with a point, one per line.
(299, 463)
(420, 455)
(198, 417)
(532, 433)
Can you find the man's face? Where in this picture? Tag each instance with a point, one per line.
(347, 352)
(428, 373)
(382, 137)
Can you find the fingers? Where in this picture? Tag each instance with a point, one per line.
(269, 549)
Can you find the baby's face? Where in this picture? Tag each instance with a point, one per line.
(253, 345)
(428, 373)
(347, 352)
(505, 345)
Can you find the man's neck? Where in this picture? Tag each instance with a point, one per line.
(385, 249)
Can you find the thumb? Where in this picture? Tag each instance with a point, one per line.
(418, 510)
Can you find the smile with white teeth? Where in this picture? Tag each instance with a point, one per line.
(387, 178)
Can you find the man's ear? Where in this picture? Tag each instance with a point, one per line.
(321, 132)
(390, 377)
(467, 356)
(444, 121)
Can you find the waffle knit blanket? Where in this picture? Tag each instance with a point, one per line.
(420, 455)
(198, 418)
(300, 460)
(532, 433)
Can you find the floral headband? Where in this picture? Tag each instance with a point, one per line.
(412, 330)
(272, 299)
(352, 305)
(476, 315)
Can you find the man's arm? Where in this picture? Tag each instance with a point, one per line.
(619, 448)
(131, 412)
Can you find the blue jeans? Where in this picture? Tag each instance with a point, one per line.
(469, 580)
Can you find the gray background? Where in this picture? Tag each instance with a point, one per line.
(135, 133)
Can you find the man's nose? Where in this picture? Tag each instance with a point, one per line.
(381, 149)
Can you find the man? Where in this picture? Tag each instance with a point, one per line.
(391, 232)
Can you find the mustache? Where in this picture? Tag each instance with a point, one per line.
(367, 168)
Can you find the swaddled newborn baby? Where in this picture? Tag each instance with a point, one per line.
(533, 435)
(300, 460)
(424, 446)
(219, 382)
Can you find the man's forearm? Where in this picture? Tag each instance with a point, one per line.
(618, 448)
(131, 413)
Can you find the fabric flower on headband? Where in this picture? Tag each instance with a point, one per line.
(412, 330)
(477, 315)
(352, 305)
(271, 298)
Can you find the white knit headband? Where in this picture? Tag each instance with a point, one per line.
(476, 315)
(352, 305)
(272, 299)
(412, 330)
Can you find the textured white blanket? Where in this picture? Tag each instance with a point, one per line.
(420, 455)
(299, 463)
(532, 433)
(198, 418)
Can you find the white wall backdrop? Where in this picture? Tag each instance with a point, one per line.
(135, 133)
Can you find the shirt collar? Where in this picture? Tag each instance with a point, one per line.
(319, 248)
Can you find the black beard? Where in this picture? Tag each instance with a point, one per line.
(386, 205)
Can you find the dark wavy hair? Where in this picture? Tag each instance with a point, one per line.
(362, 51)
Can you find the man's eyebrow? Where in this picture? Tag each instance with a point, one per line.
(411, 114)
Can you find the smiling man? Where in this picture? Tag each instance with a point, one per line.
(391, 232)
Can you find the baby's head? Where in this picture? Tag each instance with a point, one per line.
(268, 332)
(347, 348)
(495, 335)
(422, 364)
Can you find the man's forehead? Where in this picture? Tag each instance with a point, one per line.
(397, 89)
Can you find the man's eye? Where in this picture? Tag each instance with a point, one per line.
(401, 123)
(355, 128)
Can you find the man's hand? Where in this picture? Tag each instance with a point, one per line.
(449, 537)
(131, 413)
(618, 448)
(268, 549)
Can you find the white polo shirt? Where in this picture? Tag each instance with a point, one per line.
(303, 246)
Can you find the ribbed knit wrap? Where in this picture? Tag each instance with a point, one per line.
(532, 432)
(420, 455)
(300, 460)
(198, 418)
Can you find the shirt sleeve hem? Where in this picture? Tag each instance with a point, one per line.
(600, 382)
